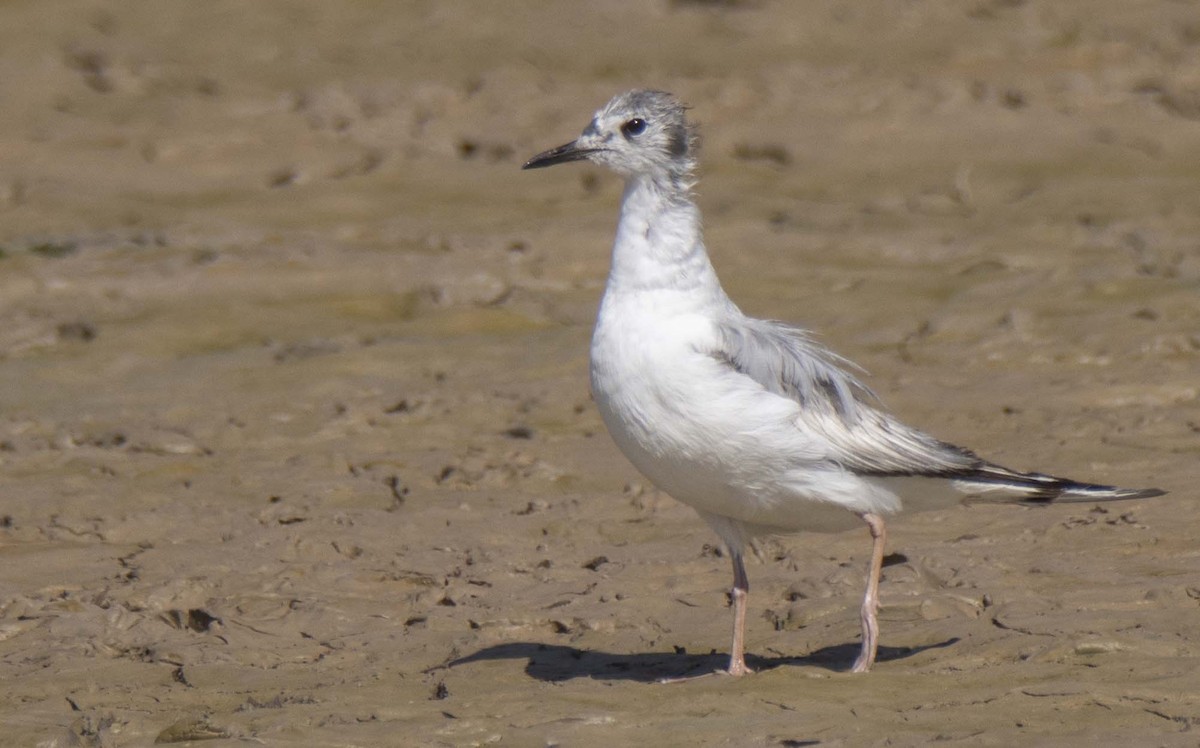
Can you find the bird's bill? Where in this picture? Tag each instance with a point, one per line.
(560, 155)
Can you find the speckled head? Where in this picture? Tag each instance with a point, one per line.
(638, 133)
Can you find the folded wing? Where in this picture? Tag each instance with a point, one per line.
(865, 439)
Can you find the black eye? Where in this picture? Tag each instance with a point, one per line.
(633, 127)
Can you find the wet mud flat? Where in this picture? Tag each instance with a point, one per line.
(296, 444)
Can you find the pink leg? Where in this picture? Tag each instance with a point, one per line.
(737, 650)
(870, 605)
(741, 587)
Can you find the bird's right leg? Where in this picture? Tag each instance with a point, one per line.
(870, 605)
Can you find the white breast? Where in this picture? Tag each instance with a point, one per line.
(706, 435)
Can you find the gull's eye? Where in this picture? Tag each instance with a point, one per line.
(633, 127)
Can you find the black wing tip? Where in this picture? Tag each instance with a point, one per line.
(1040, 489)
(1085, 493)
(1115, 494)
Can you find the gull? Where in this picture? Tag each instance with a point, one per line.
(750, 422)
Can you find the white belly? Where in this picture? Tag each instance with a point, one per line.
(712, 438)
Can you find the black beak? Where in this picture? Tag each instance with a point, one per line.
(559, 155)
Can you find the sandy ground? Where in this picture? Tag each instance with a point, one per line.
(296, 445)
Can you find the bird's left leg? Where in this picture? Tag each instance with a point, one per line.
(741, 588)
(737, 650)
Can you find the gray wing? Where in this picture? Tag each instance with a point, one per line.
(862, 437)
(867, 440)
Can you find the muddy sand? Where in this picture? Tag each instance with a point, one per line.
(296, 445)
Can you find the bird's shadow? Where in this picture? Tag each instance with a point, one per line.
(556, 662)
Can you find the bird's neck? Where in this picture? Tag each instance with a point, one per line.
(660, 245)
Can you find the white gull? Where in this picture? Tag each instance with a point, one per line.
(759, 429)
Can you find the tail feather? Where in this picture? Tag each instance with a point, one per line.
(999, 484)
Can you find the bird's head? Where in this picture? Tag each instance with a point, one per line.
(638, 133)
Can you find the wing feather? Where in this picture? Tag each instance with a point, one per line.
(865, 439)
(834, 404)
